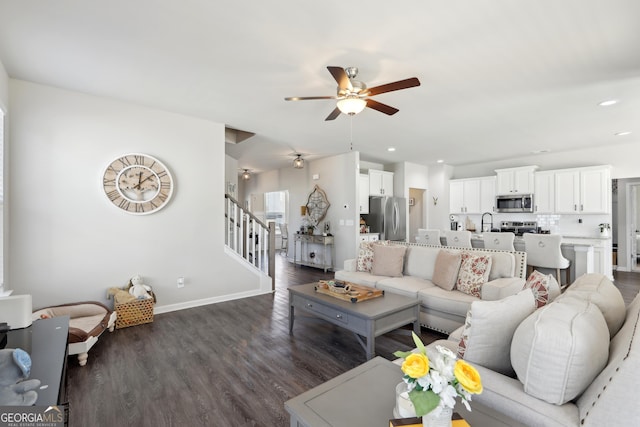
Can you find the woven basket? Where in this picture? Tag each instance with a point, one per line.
(134, 313)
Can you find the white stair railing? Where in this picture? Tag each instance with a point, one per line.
(250, 238)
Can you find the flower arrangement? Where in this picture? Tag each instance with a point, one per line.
(435, 378)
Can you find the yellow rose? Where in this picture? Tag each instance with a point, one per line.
(416, 365)
(468, 377)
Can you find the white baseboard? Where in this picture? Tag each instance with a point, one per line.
(207, 301)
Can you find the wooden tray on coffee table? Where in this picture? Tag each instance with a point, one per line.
(350, 292)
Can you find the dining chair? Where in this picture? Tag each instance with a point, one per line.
(458, 239)
(428, 237)
(543, 250)
(496, 240)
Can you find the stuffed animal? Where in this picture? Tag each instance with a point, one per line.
(15, 366)
(120, 295)
(138, 289)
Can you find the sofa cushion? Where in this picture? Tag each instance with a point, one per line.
(598, 289)
(358, 277)
(558, 350)
(503, 264)
(420, 261)
(388, 260)
(454, 302)
(365, 255)
(408, 285)
(474, 271)
(489, 327)
(545, 287)
(446, 269)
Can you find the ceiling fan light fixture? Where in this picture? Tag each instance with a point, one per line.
(351, 105)
(298, 162)
(246, 175)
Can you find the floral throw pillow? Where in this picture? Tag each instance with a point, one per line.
(539, 284)
(365, 255)
(474, 272)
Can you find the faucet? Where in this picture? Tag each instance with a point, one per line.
(482, 222)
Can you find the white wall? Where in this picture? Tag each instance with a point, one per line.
(4, 226)
(69, 243)
(438, 213)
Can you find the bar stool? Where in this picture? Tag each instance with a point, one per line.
(494, 240)
(543, 250)
(428, 237)
(459, 239)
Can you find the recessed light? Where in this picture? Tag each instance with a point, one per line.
(608, 103)
(544, 150)
(440, 161)
(391, 149)
(623, 133)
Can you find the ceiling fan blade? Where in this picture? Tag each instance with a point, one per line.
(306, 98)
(383, 108)
(335, 113)
(390, 87)
(341, 77)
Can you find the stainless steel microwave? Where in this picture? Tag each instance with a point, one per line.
(515, 203)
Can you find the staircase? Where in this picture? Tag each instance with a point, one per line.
(250, 238)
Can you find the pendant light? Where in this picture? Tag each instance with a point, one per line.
(298, 162)
(246, 175)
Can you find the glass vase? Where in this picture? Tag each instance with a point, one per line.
(443, 419)
(404, 408)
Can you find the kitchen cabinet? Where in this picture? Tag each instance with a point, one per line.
(472, 195)
(515, 180)
(369, 237)
(364, 194)
(544, 195)
(583, 190)
(487, 194)
(464, 196)
(380, 183)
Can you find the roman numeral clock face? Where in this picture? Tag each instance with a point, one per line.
(138, 184)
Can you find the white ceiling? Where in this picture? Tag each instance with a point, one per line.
(500, 78)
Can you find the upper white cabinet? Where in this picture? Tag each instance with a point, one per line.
(583, 190)
(488, 194)
(380, 183)
(363, 199)
(473, 195)
(515, 180)
(544, 195)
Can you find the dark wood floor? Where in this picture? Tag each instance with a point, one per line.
(227, 364)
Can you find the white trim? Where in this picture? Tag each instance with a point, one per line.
(207, 301)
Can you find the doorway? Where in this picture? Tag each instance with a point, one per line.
(417, 212)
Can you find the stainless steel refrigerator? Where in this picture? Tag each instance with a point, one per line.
(388, 216)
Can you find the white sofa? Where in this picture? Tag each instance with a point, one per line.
(440, 309)
(558, 352)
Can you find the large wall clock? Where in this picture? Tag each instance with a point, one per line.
(138, 183)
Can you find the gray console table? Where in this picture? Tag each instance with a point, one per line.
(305, 240)
(369, 319)
(363, 396)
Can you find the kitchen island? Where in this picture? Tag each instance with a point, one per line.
(587, 254)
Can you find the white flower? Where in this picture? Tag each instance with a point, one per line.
(448, 396)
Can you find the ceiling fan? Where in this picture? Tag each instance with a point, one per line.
(353, 96)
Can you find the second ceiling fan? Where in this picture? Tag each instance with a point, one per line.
(353, 96)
